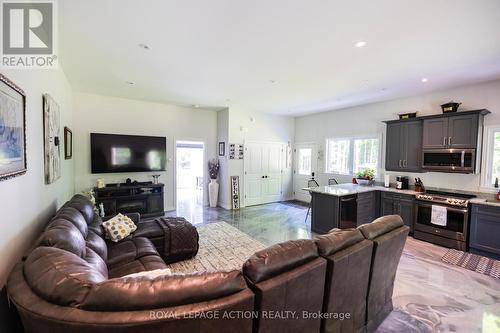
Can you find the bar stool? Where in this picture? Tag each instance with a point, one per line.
(310, 183)
(332, 181)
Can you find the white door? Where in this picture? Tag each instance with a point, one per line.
(262, 164)
(306, 161)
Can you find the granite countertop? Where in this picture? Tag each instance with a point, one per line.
(348, 189)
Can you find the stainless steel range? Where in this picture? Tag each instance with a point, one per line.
(452, 232)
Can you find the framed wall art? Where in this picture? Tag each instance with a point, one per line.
(12, 130)
(68, 143)
(52, 146)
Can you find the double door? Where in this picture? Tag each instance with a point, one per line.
(451, 132)
(404, 146)
(263, 173)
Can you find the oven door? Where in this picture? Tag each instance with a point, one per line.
(449, 160)
(456, 225)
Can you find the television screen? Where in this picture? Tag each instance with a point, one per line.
(127, 153)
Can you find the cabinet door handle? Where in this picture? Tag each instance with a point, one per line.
(404, 163)
(449, 141)
(399, 164)
(444, 141)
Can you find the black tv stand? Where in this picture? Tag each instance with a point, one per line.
(145, 198)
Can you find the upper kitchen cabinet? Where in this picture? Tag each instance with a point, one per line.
(458, 130)
(404, 146)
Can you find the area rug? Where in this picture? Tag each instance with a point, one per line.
(473, 262)
(222, 248)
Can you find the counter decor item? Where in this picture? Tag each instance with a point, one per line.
(213, 187)
(100, 183)
(156, 179)
(387, 180)
(365, 177)
(402, 182)
(13, 130)
(450, 107)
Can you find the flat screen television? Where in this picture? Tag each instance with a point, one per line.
(127, 153)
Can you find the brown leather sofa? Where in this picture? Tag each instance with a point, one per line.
(73, 281)
(287, 279)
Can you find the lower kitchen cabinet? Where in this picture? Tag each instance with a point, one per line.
(399, 204)
(484, 236)
(368, 207)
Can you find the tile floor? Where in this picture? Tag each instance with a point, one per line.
(429, 295)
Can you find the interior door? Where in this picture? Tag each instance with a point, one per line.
(254, 180)
(271, 165)
(305, 164)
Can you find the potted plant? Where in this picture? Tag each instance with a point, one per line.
(213, 187)
(365, 176)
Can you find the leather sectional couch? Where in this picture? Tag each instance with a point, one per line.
(75, 281)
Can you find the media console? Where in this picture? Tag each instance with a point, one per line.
(145, 198)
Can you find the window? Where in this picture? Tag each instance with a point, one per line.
(350, 155)
(492, 157)
(304, 160)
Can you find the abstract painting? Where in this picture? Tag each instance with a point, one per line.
(12, 129)
(52, 148)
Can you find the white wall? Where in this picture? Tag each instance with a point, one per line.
(367, 119)
(224, 177)
(264, 128)
(26, 202)
(102, 114)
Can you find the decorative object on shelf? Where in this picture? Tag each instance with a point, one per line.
(100, 183)
(407, 115)
(91, 195)
(213, 187)
(13, 134)
(222, 148)
(236, 151)
(52, 150)
(365, 176)
(156, 179)
(68, 143)
(235, 192)
(450, 107)
(101, 210)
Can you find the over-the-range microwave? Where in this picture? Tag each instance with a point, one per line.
(449, 160)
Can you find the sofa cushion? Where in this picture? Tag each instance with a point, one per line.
(75, 217)
(96, 261)
(96, 226)
(59, 276)
(337, 240)
(129, 250)
(381, 226)
(64, 235)
(96, 243)
(125, 294)
(83, 205)
(279, 258)
(147, 263)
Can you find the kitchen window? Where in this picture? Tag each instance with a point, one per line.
(350, 155)
(492, 157)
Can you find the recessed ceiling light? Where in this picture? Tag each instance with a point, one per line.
(361, 43)
(144, 46)
(272, 81)
(130, 83)
(424, 79)
(196, 106)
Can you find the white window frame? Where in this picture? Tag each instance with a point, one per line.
(487, 159)
(351, 153)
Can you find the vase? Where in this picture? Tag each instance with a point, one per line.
(213, 192)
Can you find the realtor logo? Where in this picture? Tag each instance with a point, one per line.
(28, 34)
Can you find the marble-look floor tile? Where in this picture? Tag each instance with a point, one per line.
(429, 295)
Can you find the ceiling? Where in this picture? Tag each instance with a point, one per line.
(282, 56)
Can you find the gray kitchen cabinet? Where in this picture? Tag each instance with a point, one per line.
(399, 204)
(484, 237)
(404, 146)
(456, 131)
(434, 133)
(368, 207)
(325, 212)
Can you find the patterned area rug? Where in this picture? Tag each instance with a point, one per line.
(473, 262)
(222, 248)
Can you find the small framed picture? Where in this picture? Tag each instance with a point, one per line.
(68, 143)
(222, 148)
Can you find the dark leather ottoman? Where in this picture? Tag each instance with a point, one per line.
(175, 238)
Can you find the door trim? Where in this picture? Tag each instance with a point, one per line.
(205, 170)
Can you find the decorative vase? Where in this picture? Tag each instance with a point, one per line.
(213, 192)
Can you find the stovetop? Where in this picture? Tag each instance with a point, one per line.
(447, 198)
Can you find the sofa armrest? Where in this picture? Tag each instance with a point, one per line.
(135, 217)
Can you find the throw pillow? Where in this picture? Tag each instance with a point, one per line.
(151, 274)
(118, 227)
